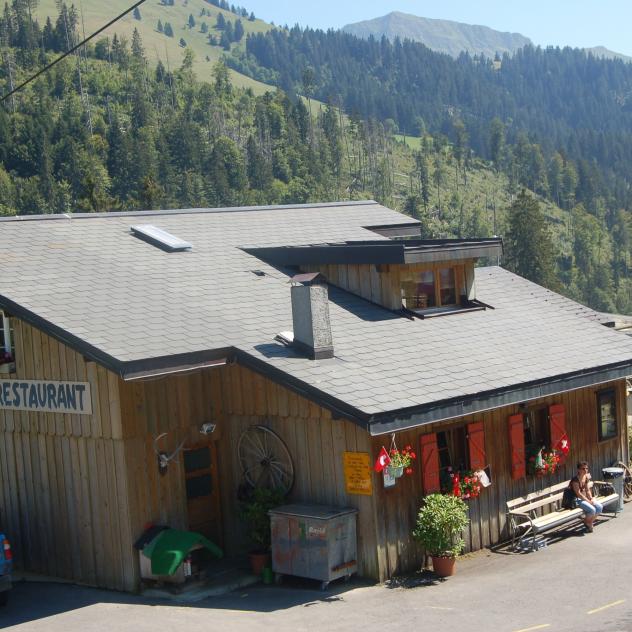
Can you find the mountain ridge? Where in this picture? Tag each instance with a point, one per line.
(452, 37)
(446, 36)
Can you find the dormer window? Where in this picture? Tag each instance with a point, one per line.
(7, 348)
(430, 289)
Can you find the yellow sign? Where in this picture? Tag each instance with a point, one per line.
(358, 476)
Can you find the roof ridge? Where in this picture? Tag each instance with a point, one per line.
(184, 211)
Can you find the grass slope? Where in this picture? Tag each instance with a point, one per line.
(96, 13)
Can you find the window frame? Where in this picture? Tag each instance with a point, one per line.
(456, 438)
(436, 275)
(7, 344)
(537, 418)
(610, 392)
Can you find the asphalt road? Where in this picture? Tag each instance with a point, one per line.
(581, 582)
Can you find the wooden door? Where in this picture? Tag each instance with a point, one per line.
(202, 489)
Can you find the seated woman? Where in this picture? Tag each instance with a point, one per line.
(584, 497)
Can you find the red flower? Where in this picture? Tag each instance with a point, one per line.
(409, 470)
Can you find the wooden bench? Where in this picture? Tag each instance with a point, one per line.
(541, 511)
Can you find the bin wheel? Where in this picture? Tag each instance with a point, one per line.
(324, 585)
(278, 578)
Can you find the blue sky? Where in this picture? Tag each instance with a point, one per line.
(581, 23)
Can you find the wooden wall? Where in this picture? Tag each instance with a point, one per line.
(236, 398)
(76, 491)
(397, 507)
(178, 406)
(315, 441)
(382, 284)
(63, 489)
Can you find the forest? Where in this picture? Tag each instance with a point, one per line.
(104, 130)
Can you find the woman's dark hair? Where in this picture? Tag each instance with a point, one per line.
(581, 464)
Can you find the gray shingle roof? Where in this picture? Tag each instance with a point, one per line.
(126, 302)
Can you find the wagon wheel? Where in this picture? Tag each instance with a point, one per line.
(627, 480)
(265, 460)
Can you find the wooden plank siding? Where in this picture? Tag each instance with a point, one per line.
(382, 284)
(60, 502)
(397, 507)
(76, 491)
(236, 398)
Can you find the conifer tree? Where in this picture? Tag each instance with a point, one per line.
(138, 51)
(136, 14)
(228, 29)
(530, 251)
(239, 31)
(496, 141)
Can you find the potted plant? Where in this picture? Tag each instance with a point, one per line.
(401, 461)
(440, 521)
(255, 506)
(543, 462)
(466, 485)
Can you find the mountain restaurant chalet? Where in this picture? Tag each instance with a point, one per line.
(316, 333)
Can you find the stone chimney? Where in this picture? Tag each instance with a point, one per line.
(310, 315)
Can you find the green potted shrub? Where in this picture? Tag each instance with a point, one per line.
(255, 506)
(440, 521)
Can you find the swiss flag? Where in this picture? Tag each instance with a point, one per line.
(563, 445)
(382, 460)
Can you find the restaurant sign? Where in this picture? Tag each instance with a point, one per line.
(42, 396)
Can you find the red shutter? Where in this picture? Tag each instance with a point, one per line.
(476, 441)
(516, 441)
(430, 463)
(557, 420)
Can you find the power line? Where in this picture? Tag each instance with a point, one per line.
(69, 52)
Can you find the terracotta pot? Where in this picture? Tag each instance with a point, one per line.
(258, 561)
(443, 566)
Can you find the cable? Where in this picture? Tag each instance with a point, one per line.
(69, 52)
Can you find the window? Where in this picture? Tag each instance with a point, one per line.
(447, 286)
(7, 349)
(606, 415)
(452, 446)
(537, 430)
(431, 289)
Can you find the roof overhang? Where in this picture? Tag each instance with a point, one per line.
(379, 252)
(395, 231)
(434, 412)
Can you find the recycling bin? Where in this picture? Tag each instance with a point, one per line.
(615, 475)
(314, 541)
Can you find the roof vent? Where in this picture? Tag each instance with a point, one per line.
(161, 238)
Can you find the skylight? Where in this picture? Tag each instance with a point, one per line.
(160, 238)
